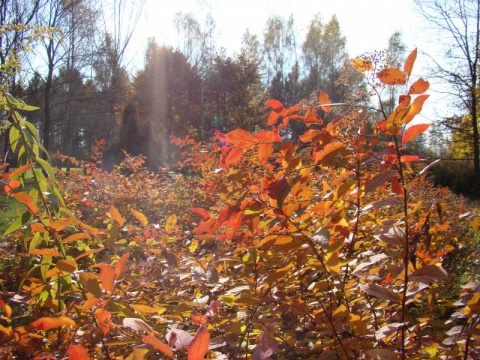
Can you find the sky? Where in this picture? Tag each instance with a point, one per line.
(366, 24)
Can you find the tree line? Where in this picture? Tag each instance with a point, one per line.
(78, 75)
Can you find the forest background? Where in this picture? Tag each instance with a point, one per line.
(89, 86)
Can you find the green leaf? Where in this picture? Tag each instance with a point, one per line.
(17, 224)
(14, 137)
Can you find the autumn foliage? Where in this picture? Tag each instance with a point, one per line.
(249, 247)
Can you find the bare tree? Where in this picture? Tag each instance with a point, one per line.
(457, 25)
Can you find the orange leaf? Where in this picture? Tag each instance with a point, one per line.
(408, 66)
(48, 323)
(264, 152)
(329, 152)
(240, 138)
(413, 131)
(104, 319)
(311, 117)
(116, 216)
(59, 225)
(142, 219)
(324, 99)
(419, 87)
(92, 230)
(362, 64)
(121, 265)
(107, 277)
(392, 76)
(416, 107)
(46, 252)
(27, 200)
(11, 186)
(37, 227)
(158, 345)
(198, 347)
(409, 158)
(74, 237)
(273, 118)
(233, 156)
(77, 352)
(274, 104)
(21, 170)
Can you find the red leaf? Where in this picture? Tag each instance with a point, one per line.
(397, 188)
(199, 345)
(408, 66)
(48, 323)
(104, 319)
(392, 76)
(158, 345)
(77, 352)
(266, 136)
(202, 212)
(323, 100)
(413, 131)
(107, 277)
(201, 320)
(121, 266)
(404, 100)
(274, 104)
(419, 87)
(409, 158)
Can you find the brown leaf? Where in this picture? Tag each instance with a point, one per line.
(381, 292)
(158, 345)
(428, 274)
(382, 354)
(267, 346)
(379, 180)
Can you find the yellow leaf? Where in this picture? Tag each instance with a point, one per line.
(357, 324)
(140, 217)
(143, 309)
(362, 64)
(171, 222)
